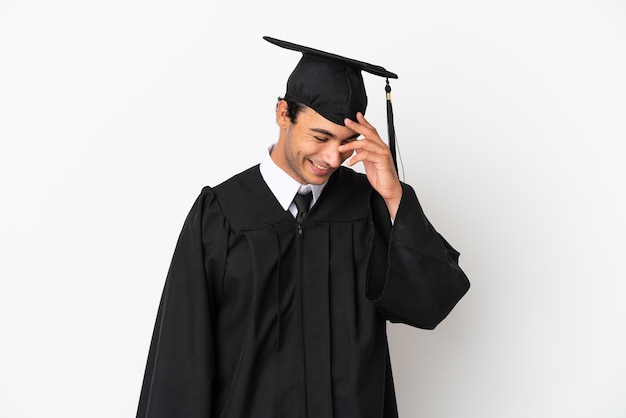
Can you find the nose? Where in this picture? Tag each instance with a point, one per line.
(332, 156)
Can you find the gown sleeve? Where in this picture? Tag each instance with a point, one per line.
(178, 380)
(423, 280)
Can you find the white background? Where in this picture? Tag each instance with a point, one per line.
(511, 121)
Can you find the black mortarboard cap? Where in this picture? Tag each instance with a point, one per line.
(333, 86)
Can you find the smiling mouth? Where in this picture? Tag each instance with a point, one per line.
(320, 167)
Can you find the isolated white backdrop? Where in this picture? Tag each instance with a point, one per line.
(511, 121)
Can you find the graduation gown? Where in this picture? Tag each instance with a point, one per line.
(263, 318)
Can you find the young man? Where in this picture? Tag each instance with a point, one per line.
(277, 308)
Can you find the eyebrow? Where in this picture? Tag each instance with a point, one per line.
(330, 134)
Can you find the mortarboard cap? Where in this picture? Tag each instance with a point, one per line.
(333, 86)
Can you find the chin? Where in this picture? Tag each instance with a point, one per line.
(317, 179)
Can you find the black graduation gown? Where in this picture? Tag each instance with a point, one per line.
(260, 318)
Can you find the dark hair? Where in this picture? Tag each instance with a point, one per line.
(293, 108)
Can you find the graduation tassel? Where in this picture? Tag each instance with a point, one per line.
(391, 132)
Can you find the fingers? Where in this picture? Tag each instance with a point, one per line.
(365, 144)
(368, 151)
(362, 126)
(365, 156)
(371, 141)
(361, 120)
(377, 160)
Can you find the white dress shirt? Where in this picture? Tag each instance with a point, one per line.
(283, 186)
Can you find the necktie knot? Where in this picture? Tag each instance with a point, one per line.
(303, 202)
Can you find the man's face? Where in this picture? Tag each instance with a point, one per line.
(308, 150)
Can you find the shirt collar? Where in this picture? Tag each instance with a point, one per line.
(283, 186)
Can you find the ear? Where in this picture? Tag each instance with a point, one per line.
(281, 114)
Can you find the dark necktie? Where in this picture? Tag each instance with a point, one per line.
(303, 202)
